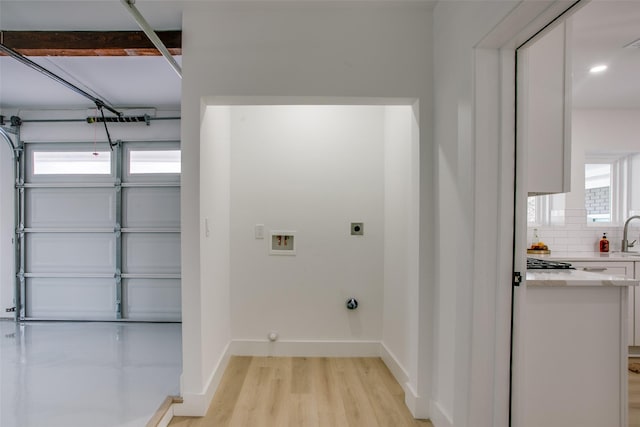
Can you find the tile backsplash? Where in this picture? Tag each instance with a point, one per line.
(575, 235)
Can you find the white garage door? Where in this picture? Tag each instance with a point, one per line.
(101, 231)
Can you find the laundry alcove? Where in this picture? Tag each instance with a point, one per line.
(312, 169)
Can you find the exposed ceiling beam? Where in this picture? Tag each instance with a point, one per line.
(89, 43)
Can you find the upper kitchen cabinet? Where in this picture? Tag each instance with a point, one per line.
(544, 120)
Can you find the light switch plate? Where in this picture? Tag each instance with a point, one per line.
(259, 231)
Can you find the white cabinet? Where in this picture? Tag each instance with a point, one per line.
(626, 269)
(545, 111)
(574, 366)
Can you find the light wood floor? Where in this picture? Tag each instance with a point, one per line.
(634, 396)
(301, 392)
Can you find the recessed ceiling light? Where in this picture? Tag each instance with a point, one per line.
(597, 69)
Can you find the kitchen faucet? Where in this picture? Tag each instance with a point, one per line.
(625, 243)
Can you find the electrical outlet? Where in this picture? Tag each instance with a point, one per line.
(357, 229)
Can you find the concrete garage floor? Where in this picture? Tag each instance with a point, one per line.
(77, 374)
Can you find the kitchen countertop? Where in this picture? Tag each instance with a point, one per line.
(588, 256)
(554, 278)
(550, 278)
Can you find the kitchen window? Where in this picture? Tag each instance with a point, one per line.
(607, 188)
(546, 210)
(598, 191)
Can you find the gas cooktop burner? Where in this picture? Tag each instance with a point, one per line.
(540, 264)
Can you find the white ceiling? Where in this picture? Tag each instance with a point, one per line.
(601, 29)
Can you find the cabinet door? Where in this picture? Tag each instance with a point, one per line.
(545, 123)
(625, 269)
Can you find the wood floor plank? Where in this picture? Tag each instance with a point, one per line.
(300, 375)
(358, 409)
(306, 392)
(330, 405)
(387, 377)
(388, 407)
(223, 404)
(302, 410)
(634, 396)
(247, 408)
(274, 408)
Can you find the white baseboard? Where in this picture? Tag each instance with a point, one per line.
(305, 348)
(166, 419)
(196, 404)
(418, 407)
(394, 366)
(439, 418)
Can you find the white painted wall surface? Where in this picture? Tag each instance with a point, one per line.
(593, 131)
(298, 50)
(312, 170)
(206, 320)
(401, 231)
(634, 199)
(215, 187)
(458, 27)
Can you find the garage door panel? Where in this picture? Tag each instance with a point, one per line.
(70, 252)
(150, 207)
(70, 207)
(151, 253)
(152, 299)
(102, 242)
(70, 298)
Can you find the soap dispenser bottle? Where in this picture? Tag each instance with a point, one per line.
(536, 239)
(604, 243)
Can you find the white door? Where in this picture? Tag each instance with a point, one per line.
(102, 231)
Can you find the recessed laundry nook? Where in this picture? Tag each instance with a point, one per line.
(306, 172)
(292, 179)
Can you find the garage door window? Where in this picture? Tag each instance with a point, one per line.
(156, 161)
(71, 163)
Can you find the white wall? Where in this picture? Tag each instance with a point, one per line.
(401, 231)
(312, 170)
(349, 50)
(213, 328)
(458, 28)
(634, 198)
(604, 131)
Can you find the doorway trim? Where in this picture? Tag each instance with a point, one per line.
(494, 80)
